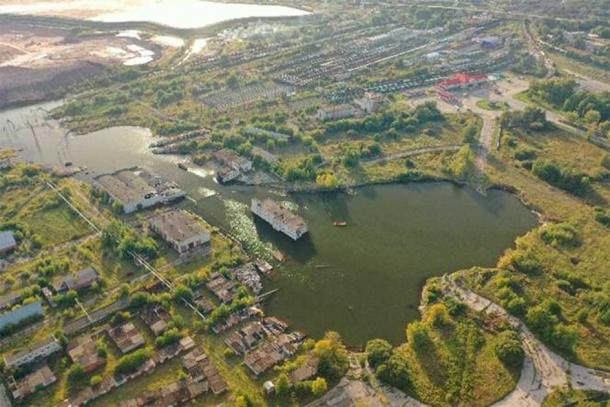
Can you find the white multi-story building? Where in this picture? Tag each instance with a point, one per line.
(280, 218)
(335, 112)
(33, 353)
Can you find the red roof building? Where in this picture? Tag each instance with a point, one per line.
(461, 81)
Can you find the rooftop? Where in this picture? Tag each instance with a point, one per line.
(7, 240)
(280, 213)
(179, 225)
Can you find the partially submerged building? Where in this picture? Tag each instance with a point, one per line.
(232, 160)
(136, 189)
(248, 276)
(280, 218)
(183, 231)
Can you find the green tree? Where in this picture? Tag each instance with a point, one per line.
(333, 356)
(507, 347)
(417, 336)
(319, 387)
(282, 385)
(378, 351)
(395, 371)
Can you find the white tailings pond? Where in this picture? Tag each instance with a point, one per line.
(184, 14)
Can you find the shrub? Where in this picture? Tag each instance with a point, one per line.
(95, 380)
(378, 351)
(507, 347)
(319, 387)
(560, 234)
(75, 373)
(333, 356)
(395, 372)
(131, 362)
(170, 336)
(417, 336)
(562, 177)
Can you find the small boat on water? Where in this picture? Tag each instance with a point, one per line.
(340, 223)
(182, 167)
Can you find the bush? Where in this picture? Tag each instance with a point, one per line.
(170, 336)
(417, 336)
(333, 356)
(95, 380)
(131, 362)
(560, 234)
(75, 373)
(319, 387)
(395, 372)
(561, 177)
(378, 351)
(507, 347)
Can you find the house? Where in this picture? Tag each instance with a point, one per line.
(246, 338)
(200, 368)
(80, 281)
(21, 314)
(32, 353)
(335, 112)
(232, 160)
(183, 231)
(205, 305)
(222, 287)
(370, 102)
(248, 276)
(273, 352)
(83, 350)
(280, 218)
(306, 371)
(126, 337)
(31, 383)
(7, 242)
(156, 318)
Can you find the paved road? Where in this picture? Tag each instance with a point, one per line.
(543, 369)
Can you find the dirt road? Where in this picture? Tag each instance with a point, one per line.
(543, 370)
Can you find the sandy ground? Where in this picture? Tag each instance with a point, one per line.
(39, 48)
